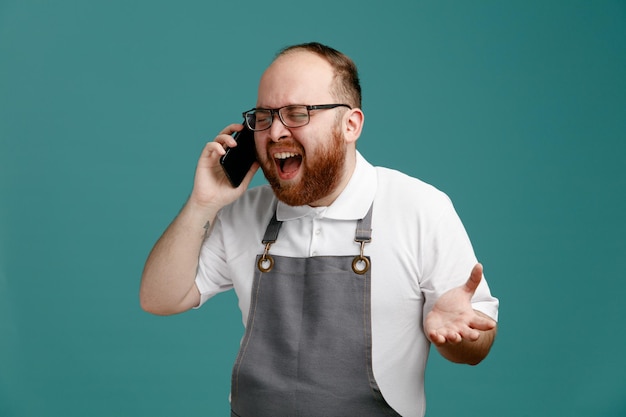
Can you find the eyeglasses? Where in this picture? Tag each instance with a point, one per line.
(297, 115)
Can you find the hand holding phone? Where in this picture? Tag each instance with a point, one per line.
(238, 160)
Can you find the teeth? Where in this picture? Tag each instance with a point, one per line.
(284, 155)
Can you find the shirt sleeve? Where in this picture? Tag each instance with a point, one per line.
(212, 273)
(448, 259)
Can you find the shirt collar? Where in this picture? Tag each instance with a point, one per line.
(351, 204)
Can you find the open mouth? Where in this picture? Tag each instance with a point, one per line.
(288, 164)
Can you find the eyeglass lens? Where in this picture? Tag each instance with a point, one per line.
(291, 116)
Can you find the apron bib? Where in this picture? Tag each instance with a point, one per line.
(307, 349)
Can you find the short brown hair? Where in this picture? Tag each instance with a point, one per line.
(347, 85)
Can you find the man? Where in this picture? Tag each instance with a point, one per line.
(345, 273)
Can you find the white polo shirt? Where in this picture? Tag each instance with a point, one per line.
(419, 250)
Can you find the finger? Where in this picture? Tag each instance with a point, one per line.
(436, 338)
(474, 279)
(454, 338)
(212, 148)
(482, 322)
(470, 334)
(442, 336)
(227, 141)
(225, 137)
(232, 128)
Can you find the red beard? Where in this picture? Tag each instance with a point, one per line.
(321, 173)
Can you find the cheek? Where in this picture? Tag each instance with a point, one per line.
(315, 144)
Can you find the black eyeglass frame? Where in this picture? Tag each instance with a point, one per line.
(277, 111)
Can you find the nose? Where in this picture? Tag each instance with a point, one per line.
(278, 130)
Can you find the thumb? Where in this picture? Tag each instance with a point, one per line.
(474, 279)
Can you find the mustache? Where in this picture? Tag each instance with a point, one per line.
(288, 144)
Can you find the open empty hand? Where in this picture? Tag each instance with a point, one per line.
(453, 319)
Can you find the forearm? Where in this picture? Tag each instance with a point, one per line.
(168, 280)
(468, 351)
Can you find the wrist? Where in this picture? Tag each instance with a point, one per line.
(199, 213)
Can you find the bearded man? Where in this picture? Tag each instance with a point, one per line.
(345, 273)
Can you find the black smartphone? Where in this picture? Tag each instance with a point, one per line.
(238, 160)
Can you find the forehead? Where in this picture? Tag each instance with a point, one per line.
(298, 77)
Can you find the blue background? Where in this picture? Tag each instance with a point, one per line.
(516, 109)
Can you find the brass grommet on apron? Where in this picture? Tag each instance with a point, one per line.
(361, 264)
(266, 262)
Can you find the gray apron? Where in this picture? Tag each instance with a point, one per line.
(307, 349)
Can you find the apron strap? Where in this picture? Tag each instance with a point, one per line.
(361, 263)
(271, 233)
(364, 227)
(266, 262)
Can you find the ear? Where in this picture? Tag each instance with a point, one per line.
(353, 124)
